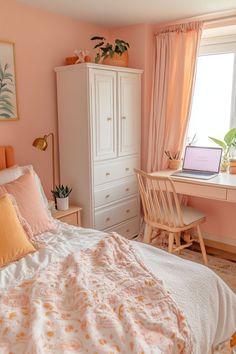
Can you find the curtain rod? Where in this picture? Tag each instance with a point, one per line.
(209, 19)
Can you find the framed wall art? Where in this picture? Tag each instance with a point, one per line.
(8, 100)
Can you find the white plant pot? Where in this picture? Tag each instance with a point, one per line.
(62, 203)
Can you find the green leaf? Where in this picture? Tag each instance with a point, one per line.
(6, 102)
(5, 89)
(8, 76)
(4, 97)
(98, 45)
(219, 142)
(5, 115)
(6, 108)
(97, 58)
(230, 136)
(96, 38)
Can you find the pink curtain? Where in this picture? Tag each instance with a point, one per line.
(175, 63)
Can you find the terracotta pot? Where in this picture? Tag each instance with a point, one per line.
(117, 60)
(70, 60)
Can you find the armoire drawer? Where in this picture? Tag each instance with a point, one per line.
(108, 172)
(128, 229)
(116, 191)
(116, 213)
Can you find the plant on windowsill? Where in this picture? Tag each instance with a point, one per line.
(112, 54)
(227, 145)
(61, 195)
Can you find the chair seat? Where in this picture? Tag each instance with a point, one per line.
(191, 215)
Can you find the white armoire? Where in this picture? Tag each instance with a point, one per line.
(99, 118)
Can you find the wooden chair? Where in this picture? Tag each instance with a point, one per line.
(162, 210)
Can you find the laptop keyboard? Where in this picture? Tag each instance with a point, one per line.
(195, 174)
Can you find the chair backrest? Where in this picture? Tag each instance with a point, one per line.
(160, 201)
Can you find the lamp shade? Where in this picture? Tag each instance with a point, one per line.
(40, 143)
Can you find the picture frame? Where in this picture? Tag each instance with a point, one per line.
(8, 97)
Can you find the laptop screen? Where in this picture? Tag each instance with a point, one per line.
(202, 158)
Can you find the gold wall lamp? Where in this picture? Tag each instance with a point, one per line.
(42, 144)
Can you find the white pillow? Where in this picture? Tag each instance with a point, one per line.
(10, 174)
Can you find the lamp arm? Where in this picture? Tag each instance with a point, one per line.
(53, 157)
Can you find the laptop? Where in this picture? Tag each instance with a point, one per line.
(200, 162)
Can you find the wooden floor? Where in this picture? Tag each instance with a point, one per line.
(215, 252)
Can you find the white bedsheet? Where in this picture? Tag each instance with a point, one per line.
(209, 305)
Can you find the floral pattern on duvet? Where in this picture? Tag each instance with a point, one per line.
(99, 300)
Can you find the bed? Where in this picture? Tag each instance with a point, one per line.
(204, 307)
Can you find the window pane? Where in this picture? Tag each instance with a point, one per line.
(211, 108)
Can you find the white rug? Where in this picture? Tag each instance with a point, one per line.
(224, 269)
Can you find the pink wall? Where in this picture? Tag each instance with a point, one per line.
(42, 41)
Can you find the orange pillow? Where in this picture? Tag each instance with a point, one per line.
(29, 202)
(14, 243)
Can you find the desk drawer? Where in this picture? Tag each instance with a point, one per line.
(116, 213)
(198, 190)
(116, 192)
(111, 171)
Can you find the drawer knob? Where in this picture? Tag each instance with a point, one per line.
(123, 117)
(127, 230)
(127, 190)
(109, 118)
(127, 169)
(107, 219)
(108, 195)
(108, 174)
(128, 210)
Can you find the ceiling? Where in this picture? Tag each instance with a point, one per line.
(126, 12)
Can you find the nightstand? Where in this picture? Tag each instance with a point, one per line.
(71, 216)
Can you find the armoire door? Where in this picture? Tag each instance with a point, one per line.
(103, 107)
(129, 113)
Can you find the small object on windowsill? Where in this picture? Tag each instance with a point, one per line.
(232, 166)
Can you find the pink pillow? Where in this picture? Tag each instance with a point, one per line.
(27, 197)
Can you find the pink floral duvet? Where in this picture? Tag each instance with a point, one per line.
(98, 300)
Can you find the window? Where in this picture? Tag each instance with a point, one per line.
(213, 107)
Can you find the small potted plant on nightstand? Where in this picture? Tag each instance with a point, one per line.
(61, 195)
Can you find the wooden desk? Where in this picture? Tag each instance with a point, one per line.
(221, 187)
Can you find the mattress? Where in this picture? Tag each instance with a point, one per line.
(207, 302)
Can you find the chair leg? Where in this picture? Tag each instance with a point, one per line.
(202, 245)
(147, 234)
(171, 241)
(177, 241)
